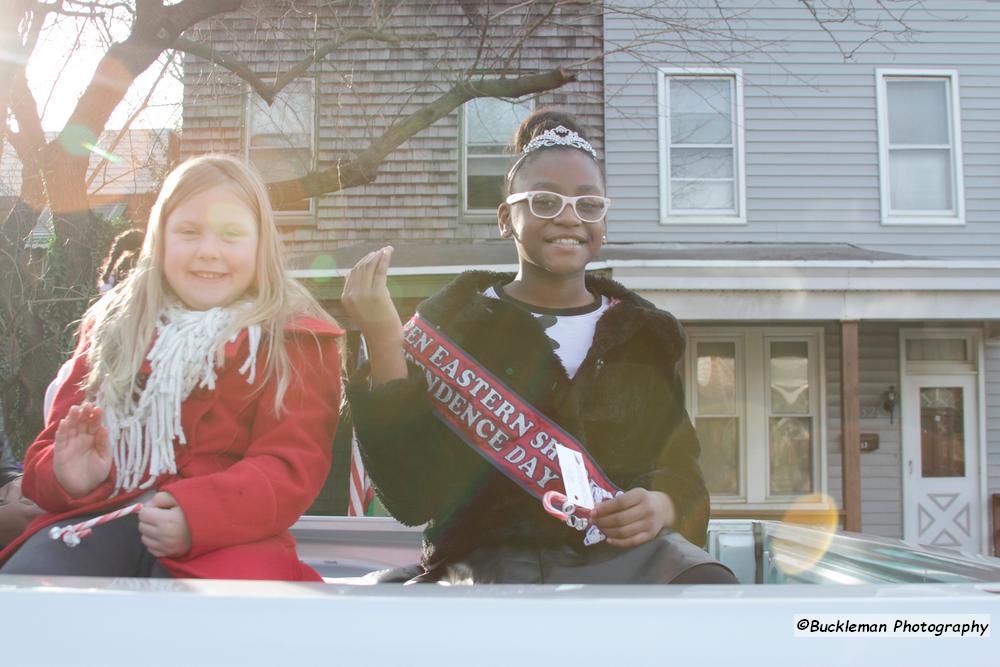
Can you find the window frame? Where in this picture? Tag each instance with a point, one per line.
(481, 215)
(690, 216)
(815, 378)
(911, 217)
(739, 357)
(752, 345)
(287, 217)
(971, 337)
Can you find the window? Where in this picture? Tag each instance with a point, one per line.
(280, 137)
(931, 351)
(701, 146)
(488, 125)
(920, 154)
(755, 397)
(718, 414)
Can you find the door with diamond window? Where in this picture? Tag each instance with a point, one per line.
(941, 462)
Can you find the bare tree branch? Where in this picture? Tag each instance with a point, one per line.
(364, 168)
(70, 54)
(15, 59)
(123, 131)
(473, 12)
(490, 44)
(269, 92)
(156, 28)
(64, 162)
(25, 111)
(530, 32)
(230, 62)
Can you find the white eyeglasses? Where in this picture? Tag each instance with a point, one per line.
(547, 205)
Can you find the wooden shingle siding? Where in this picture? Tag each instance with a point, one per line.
(363, 90)
(213, 111)
(810, 124)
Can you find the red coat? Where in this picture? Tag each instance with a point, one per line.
(244, 477)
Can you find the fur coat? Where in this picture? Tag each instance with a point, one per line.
(625, 405)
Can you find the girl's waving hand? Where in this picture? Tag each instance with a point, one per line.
(82, 457)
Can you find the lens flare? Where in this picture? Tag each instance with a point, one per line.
(323, 263)
(100, 152)
(75, 139)
(219, 214)
(796, 551)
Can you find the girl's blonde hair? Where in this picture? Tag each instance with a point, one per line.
(121, 324)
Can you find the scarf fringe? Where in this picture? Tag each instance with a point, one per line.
(143, 428)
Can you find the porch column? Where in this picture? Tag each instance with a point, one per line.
(850, 427)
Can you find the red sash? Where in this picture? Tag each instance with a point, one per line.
(492, 419)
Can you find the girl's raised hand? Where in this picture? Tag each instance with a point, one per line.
(163, 527)
(634, 517)
(82, 455)
(366, 298)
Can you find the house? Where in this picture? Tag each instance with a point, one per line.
(440, 186)
(814, 196)
(435, 196)
(827, 231)
(125, 172)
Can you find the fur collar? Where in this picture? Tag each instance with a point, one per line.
(461, 304)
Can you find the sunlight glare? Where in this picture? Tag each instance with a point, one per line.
(796, 555)
(12, 57)
(58, 71)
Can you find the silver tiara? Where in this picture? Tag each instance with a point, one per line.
(559, 136)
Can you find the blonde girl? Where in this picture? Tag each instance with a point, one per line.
(206, 385)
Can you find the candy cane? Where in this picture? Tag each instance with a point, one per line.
(579, 518)
(575, 517)
(72, 534)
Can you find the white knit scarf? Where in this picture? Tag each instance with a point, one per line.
(142, 428)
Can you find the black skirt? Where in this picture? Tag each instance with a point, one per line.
(666, 559)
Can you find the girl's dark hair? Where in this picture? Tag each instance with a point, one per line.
(122, 257)
(541, 120)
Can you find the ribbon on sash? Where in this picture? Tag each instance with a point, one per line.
(499, 425)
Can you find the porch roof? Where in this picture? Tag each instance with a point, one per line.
(732, 281)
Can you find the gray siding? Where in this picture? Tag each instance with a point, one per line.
(362, 90)
(881, 471)
(993, 415)
(831, 364)
(811, 146)
(881, 490)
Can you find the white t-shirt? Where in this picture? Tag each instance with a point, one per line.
(570, 330)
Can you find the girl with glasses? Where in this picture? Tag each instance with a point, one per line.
(592, 356)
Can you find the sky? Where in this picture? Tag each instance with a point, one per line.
(58, 73)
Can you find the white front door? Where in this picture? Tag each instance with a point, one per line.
(941, 505)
